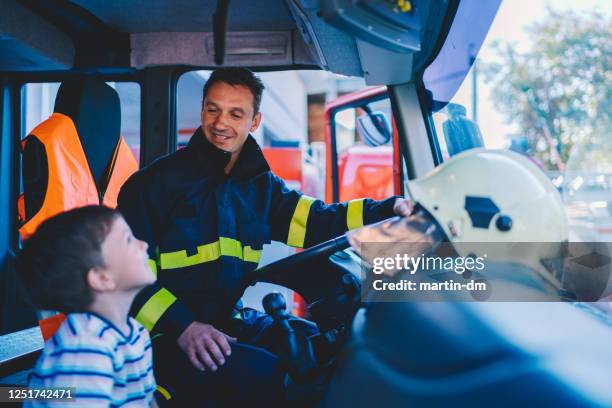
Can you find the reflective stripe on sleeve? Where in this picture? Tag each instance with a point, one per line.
(297, 228)
(153, 266)
(154, 308)
(354, 214)
(164, 392)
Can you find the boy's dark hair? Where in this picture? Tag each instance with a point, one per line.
(52, 267)
(234, 77)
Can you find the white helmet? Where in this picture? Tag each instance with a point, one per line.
(490, 196)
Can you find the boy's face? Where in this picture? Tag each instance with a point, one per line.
(125, 258)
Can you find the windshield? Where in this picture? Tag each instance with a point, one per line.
(540, 86)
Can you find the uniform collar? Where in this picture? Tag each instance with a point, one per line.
(250, 163)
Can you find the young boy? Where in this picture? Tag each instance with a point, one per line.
(87, 264)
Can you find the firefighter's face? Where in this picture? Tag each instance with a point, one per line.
(125, 258)
(228, 116)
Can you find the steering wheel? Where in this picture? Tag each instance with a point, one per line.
(319, 282)
(274, 271)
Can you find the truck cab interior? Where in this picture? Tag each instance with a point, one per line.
(414, 55)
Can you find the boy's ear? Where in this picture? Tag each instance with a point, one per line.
(99, 280)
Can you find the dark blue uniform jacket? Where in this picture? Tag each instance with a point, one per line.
(206, 229)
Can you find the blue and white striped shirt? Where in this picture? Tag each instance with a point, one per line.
(105, 367)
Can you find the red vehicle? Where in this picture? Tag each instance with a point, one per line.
(356, 168)
(363, 168)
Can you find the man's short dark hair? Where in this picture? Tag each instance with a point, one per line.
(52, 267)
(234, 77)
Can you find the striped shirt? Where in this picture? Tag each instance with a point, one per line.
(106, 367)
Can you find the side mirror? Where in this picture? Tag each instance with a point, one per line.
(373, 128)
(460, 133)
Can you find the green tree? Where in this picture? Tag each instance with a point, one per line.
(559, 92)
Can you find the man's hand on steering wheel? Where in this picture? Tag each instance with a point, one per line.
(205, 346)
(403, 207)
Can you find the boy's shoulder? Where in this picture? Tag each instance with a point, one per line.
(81, 330)
(90, 331)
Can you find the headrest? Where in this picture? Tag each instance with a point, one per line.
(92, 105)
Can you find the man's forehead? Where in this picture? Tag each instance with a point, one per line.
(226, 95)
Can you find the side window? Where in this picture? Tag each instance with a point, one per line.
(364, 151)
(129, 96)
(189, 105)
(284, 110)
(39, 100)
(537, 94)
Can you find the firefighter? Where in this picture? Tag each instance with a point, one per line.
(206, 211)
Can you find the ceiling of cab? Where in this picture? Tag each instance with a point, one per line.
(142, 16)
(261, 34)
(29, 42)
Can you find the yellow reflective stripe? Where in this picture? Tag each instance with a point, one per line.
(164, 392)
(153, 266)
(154, 308)
(209, 252)
(230, 247)
(354, 214)
(238, 315)
(179, 259)
(297, 228)
(252, 255)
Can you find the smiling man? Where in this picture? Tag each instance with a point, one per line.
(228, 116)
(206, 211)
